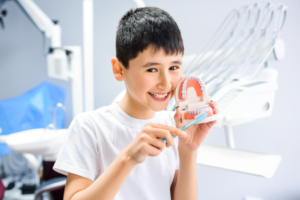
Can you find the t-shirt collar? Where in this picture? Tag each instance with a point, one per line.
(131, 121)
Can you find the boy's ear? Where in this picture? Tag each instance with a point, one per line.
(117, 69)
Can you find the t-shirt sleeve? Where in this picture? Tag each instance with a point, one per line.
(79, 154)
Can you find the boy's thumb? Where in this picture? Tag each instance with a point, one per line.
(178, 118)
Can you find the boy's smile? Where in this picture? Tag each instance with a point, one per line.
(151, 80)
(160, 96)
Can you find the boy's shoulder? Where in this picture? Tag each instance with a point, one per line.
(94, 116)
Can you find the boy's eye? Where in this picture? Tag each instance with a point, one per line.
(173, 67)
(151, 70)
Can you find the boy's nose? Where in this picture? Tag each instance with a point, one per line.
(164, 81)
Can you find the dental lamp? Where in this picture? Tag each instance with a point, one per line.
(57, 56)
(2, 13)
(62, 62)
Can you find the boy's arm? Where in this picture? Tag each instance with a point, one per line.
(173, 186)
(184, 184)
(105, 187)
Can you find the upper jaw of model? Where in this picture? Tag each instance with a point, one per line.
(192, 96)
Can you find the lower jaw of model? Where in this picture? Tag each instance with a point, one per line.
(192, 114)
(189, 115)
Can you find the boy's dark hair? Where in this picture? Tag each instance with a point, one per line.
(146, 26)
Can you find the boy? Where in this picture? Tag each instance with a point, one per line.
(117, 152)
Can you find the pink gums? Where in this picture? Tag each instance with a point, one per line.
(192, 116)
(190, 83)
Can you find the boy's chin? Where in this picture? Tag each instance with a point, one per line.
(157, 108)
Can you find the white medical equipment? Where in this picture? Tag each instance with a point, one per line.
(239, 78)
(243, 84)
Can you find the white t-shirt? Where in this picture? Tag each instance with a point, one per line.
(96, 138)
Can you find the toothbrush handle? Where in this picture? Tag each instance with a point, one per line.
(198, 119)
(182, 128)
(164, 140)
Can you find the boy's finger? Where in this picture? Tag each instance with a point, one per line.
(215, 111)
(173, 130)
(161, 134)
(213, 104)
(177, 118)
(151, 150)
(156, 143)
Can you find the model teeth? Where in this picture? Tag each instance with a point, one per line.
(199, 111)
(183, 92)
(158, 96)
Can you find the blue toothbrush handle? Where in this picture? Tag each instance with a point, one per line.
(164, 140)
(198, 119)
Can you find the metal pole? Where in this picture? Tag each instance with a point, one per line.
(88, 40)
(229, 136)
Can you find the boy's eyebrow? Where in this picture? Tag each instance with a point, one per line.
(177, 62)
(149, 64)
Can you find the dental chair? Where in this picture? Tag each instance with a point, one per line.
(51, 185)
(2, 189)
(52, 182)
(39, 141)
(46, 142)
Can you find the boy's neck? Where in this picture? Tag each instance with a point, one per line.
(135, 109)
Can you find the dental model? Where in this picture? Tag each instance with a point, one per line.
(192, 98)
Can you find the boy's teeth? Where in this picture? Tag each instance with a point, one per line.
(158, 96)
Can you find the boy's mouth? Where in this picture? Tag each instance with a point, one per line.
(159, 96)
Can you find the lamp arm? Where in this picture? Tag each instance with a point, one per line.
(50, 28)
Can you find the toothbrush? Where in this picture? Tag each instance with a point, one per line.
(198, 119)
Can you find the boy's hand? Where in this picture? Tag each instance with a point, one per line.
(149, 141)
(196, 133)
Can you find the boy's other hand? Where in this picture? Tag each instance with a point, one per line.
(196, 133)
(149, 141)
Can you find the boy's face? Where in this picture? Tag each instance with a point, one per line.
(151, 79)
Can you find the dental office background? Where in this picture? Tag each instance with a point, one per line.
(23, 66)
